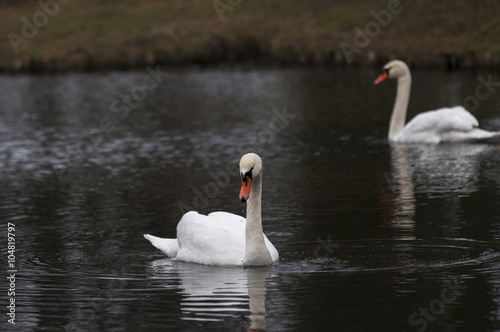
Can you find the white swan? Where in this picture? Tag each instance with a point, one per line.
(453, 124)
(223, 238)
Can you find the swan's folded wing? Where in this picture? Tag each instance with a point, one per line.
(222, 216)
(207, 240)
(443, 120)
(457, 119)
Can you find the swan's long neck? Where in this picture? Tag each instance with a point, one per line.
(398, 117)
(256, 252)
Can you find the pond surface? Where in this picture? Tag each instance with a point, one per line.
(372, 236)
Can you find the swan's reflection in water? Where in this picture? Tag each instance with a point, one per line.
(216, 293)
(402, 191)
(448, 171)
(435, 179)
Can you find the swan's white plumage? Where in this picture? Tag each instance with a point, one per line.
(444, 124)
(216, 239)
(223, 238)
(454, 124)
(169, 247)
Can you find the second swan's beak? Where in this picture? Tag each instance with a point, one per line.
(382, 77)
(246, 183)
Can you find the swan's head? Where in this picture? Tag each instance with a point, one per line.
(393, 69)
(250, 168)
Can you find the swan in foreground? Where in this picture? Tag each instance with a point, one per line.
(223, 238)
(453, 124)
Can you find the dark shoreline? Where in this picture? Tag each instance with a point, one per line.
(447, 62)
(129, 35)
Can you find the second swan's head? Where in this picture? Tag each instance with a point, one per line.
(250, 168)
(393, 69)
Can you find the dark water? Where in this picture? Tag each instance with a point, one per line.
(372, 237)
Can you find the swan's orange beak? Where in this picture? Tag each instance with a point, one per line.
(382, 77)
(246, 183)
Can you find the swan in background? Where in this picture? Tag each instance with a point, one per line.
(453, 124)
(223, 238)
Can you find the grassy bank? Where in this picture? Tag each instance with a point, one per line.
(116, 34)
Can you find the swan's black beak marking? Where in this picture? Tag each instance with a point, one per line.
(247, 174)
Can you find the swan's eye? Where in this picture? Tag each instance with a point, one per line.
(247, 174)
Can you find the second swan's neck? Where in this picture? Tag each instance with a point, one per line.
(256, 252)
(398, 117)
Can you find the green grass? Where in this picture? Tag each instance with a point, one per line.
(130, 34)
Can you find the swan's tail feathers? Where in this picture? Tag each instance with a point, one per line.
(169, 247)
(480, 134)
(475, 135)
